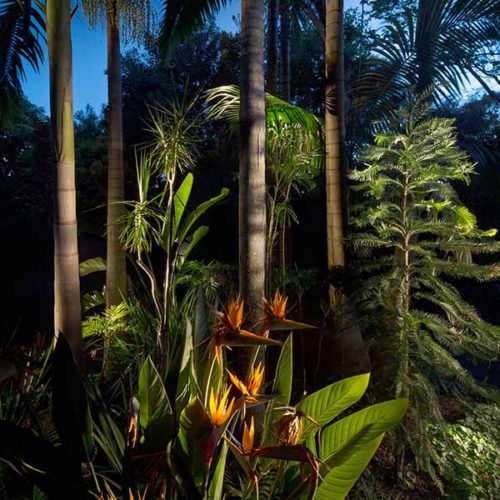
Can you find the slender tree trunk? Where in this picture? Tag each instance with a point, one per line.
(272, 47)
(347, 335)
(252, 187)
(285, 92)
(116, 275)
(334, 122)
(67, 309)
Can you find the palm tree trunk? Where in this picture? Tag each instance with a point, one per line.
(272, 46)
(116, 276)
(347, 338)
(285, 92)
(252, 183)
(334, 124)
(67, 309)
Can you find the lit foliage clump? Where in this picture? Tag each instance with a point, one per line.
(415, 239)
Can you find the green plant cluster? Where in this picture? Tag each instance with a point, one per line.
(471, 463)
(415, 240)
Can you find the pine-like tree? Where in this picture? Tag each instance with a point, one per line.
(415, 240)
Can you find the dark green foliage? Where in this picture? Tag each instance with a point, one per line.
(22, 28)
(417, 243)
(181, 18)
(442, 42)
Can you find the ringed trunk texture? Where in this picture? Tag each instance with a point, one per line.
(285, 92)
(252, 182)
(334, 125)
(67, 309)
(116, 274)
(347, 342)
(272, 47)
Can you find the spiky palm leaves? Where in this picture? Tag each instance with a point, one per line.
(443, 42)
(181, 18)
(22, 32)
(415, 239)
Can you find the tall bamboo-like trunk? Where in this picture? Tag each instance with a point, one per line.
(334, 124)
(67, 309)
(284, 8)
(252, 182)
(272, 47)
(116, 275)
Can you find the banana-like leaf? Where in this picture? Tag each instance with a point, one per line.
(190, 244)
(198, 212)
(324, 405)
(91, 266)
(215, 490)
(348, 445)
(282, 387)
(181, 199)
(194, 432)
(155, 413)
(183, 389)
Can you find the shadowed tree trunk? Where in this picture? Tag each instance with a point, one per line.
(285, 49)
(116, 276)
(252, 183)
(334, 125)
(348, 345)
(67, 309)
(272, 46)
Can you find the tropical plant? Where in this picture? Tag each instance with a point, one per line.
(442, 42)
(134, 16)
(22, 28)
(470, 463)
(192, 432)
(24, 22)
(160, 218)
(294, 140)
(67, 308)
(415, 239)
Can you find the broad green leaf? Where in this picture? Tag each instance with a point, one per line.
(183, 389)
(216, 485)
(194, 431)
(324, 405)
(92, 266)
(340, 437)
(155, 413)
(348, 445)
(181, 199)
(338, 482)
(282, 386)
(198, 212)
(189, 245)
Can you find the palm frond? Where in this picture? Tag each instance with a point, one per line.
(22, 29)
(182, 17)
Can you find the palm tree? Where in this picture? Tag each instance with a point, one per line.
(23, 23)
(334, 135)
(443, 43)
(252, 185)
(179, 21)
(67, 309)
(21, 28)
(135, 14)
